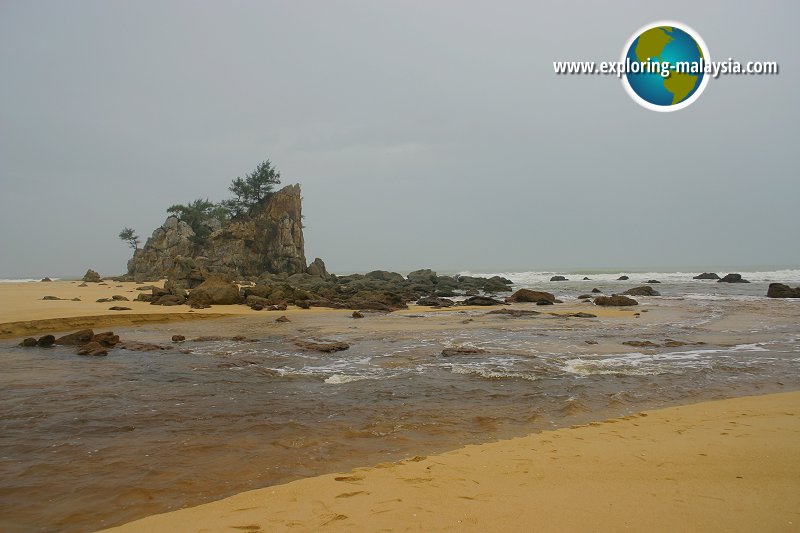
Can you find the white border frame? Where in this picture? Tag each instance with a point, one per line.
(706, 57)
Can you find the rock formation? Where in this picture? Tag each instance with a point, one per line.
(779, 290)
(268, 241)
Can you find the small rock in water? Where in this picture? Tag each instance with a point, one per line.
(326, 347)
(644, 290)
(178, 338)
(586, 279)
(282, 318)
(46, 279)
(652, 281)
(733, 278)
(46, 340)
(119, 308)
(558, 278)
(461, 350)
(596, 290)
(79, 337)
(92, 348)
(623, 278)
(358, 314)
(514, 312)
(544, 302)
(779, 290)
(707, 275)
(641, 344)
(28, 343)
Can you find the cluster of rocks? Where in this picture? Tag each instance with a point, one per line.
(379, 290)
(86, 342)
(728, 278)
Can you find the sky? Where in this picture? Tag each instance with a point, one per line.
(423, 134)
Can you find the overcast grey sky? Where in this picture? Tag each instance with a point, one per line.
(423, 133)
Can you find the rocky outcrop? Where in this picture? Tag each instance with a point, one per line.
(733, 278)
(215, 291)
(268, 241)
(317, 268)
(779, 290)
(91, 276)
(707, 275)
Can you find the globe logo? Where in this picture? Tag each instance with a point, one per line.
(665, 63)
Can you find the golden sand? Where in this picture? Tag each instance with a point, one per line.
(24, 312)
(731, 465)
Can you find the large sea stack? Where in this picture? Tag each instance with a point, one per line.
(269, 240)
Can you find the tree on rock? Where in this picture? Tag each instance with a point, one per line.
(252, 189)
(128, 235)
(201, 215)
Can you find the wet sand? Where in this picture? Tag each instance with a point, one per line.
(262, 413)
(730, 465)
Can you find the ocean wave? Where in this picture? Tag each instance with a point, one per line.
(338, 379)
(524, 278)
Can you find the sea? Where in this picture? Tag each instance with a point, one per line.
(88, 443)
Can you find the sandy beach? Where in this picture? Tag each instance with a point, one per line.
(731, 465)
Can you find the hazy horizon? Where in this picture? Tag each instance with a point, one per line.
(424, 135)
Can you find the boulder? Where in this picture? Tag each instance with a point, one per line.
(425, 275)
(481, 300)
(383, 275)
(596, 290)
(51, 298)
(325, 347)
(119, 298)
(644, 290)
(528, 295)
(282, 318)
(779, 290)
(46, 279)
(79, 337)
(107, 338)
(623, 278)
(652, 281)
(733, 278)
(28, 343)
(358, 314)
(178, 338)
(585, 296)
(119, 308)
(317, 269)
(91, 276)
(216, 291)
(586, 279)
(544, 301)
(431, 301)
(45, 341)
(707, 275)
(92, 348)
(558, 278)
(615, 300)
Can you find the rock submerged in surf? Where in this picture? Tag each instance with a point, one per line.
(462, 350)
(733, 278)
(325, 347)
(780, 290)
(707, 275)
(644, 290)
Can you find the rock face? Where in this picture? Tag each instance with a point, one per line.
(779, 290)
(268, 241)
(733, 278)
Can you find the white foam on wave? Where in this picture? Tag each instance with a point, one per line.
(338, 379)
(25, 280)
(526, 278)
(639, 364)
(482, 371)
